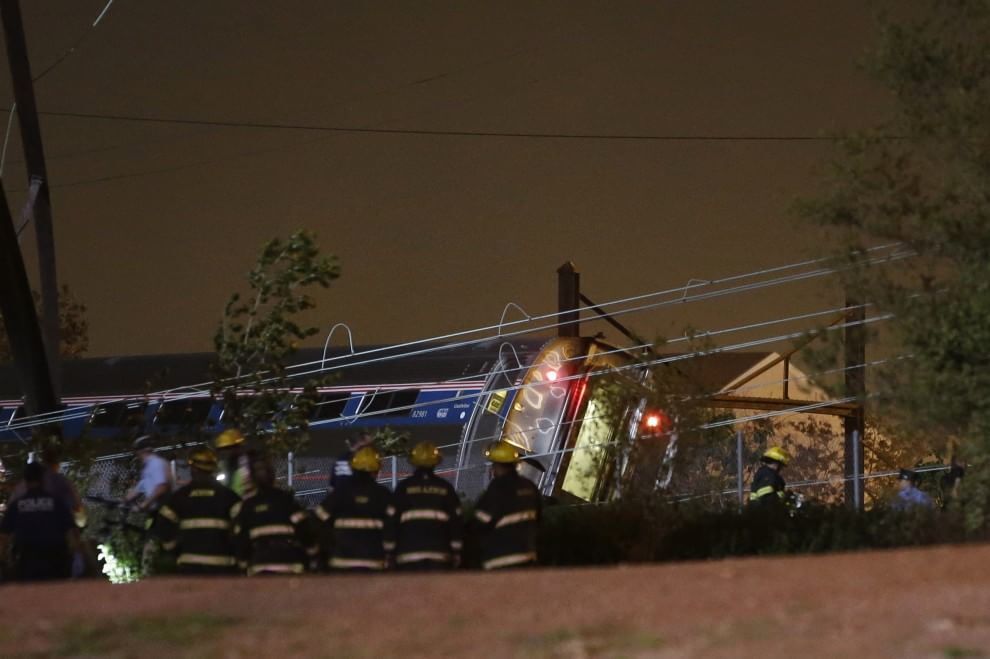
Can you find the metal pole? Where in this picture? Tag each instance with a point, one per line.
(858, 469)
(395, 472)
(855, 381)
(23, 330)
(290, 467)
(34, 159)
(740, 486)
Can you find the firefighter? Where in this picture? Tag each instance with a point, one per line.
(768, 485)
(197, 521)
(428, 524)
(235, 462)
(359, 516)
(508, 513)
(273, 534)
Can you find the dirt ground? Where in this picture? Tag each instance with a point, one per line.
(908, 603)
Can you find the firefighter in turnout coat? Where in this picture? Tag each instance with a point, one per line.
(428, 524)
(197, 521)
(273, 533)
(769, 488)
(359, 515)
(508, 513)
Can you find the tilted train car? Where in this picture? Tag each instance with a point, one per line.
(539, 394)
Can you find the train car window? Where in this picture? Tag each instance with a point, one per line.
(118, 414)
(330, 406)
(185, 412)
(392, 403)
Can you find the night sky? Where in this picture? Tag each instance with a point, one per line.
(156, 224)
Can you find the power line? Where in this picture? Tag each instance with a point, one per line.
(538, 135)
(363, 360)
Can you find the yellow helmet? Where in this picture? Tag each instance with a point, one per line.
(502, 452)
(777, 454)
(367, 459)
(425, 454)
(203, 459)
(229, 437)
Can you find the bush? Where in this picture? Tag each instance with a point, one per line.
(638, 531)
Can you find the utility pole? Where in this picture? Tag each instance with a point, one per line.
(568, 300)
(855, 385)
(34, 158)
(17, 307)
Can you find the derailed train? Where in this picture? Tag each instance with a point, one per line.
(542, 395)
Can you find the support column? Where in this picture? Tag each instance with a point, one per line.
(568, 300)
(855, 385)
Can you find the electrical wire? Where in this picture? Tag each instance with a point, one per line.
(199, 388)
(50, 417)
(58, 60)
(538, 135)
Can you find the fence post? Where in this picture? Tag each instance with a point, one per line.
(740, 486)
(395, 472)
(857, 471)
(290, 467)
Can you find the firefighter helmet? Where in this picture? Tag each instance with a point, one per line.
(203, 459)
(502, 453)
(228, 438)
(367, 459)
(425, 454)
(776, 454)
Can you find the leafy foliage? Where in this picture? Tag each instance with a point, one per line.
(257, 335)
(922, 180)
(662, 530)
(74, 328)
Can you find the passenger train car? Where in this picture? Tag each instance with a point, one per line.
(539, 394)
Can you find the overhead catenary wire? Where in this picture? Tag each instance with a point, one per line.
(50, 417)
(198, 389)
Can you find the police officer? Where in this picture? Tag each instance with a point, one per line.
(273, 534)
(197, 521)
(909, 495)
(359, 514)
(342, 465)
(43, 530)
(508, 513)
(428, 524)
(768, 485)
(235, 462)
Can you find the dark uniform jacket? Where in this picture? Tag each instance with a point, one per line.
(39, 523)
(273, 534)
(197, 522)
(768, 487)
(508, 514)
(360, 515)
(428, 524)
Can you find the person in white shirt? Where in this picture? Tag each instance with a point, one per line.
(156, 478)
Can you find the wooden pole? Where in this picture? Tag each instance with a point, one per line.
(568, 300)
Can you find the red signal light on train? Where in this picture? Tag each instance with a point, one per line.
(655, 422)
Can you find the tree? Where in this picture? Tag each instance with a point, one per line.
(260, 332)
(921, 180)
(74, 339)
